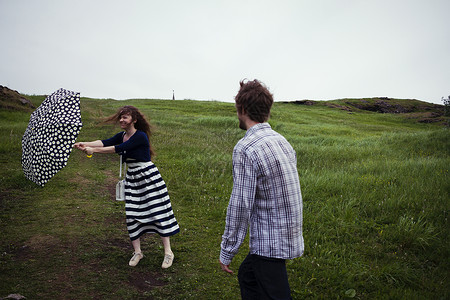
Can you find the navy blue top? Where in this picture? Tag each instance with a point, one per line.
(137, 147)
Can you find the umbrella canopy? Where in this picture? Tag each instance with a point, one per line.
(50, 135)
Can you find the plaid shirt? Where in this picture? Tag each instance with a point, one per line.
(266, 196)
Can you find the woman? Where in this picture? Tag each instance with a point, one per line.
(147, 201)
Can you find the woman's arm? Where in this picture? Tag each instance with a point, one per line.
(109, 149)
(94, 147)
(83, 145)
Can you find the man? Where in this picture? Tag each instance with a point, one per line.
(266, 199)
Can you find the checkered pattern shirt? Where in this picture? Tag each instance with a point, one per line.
(266, 197)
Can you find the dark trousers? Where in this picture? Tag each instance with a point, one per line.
(263, 278)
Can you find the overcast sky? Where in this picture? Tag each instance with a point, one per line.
(316, 49)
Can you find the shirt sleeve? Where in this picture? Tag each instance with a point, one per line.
(239, 207)
(115, 140)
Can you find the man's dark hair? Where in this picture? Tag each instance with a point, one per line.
(255, 100)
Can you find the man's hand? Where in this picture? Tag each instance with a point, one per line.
(225, 268)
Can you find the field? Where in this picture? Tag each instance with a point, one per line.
(375, 195)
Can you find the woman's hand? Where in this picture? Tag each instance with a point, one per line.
(80, 146)
(88, 150)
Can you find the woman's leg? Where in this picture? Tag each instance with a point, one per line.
(137, 256)
(168, 254)
(166, 244)
(136, 245)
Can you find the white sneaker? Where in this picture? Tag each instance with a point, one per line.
(135, 259)
(168, 260)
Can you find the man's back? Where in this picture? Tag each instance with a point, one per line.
(266, 197)
(274, 199)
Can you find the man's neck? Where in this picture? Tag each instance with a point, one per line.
(245, 122)
(250, 124)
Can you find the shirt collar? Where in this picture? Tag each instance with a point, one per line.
(257, 127)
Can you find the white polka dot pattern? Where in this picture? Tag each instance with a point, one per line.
(50, 135)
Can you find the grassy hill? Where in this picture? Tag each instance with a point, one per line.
(375, 190)
(420, 111)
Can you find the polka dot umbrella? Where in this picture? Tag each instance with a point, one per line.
(50, 135)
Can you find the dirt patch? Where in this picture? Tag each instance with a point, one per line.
(79, 179)
(5, 197)
(119, 243)
(341, 107)
(42, 242)
(381, 106)
(111, 182)
(305, 102)
(109, 187)
(37, 246)
(431, 118)
(145, 281)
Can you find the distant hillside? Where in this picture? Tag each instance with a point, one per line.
(421, 111)
(13, 100)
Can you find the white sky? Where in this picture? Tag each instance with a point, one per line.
(316, 49)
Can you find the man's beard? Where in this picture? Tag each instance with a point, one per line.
(242, 125)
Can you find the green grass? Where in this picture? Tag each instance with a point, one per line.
(375, 190)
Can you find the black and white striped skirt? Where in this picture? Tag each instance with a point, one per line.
(147, 202)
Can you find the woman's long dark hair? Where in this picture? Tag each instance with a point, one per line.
(141, 122)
